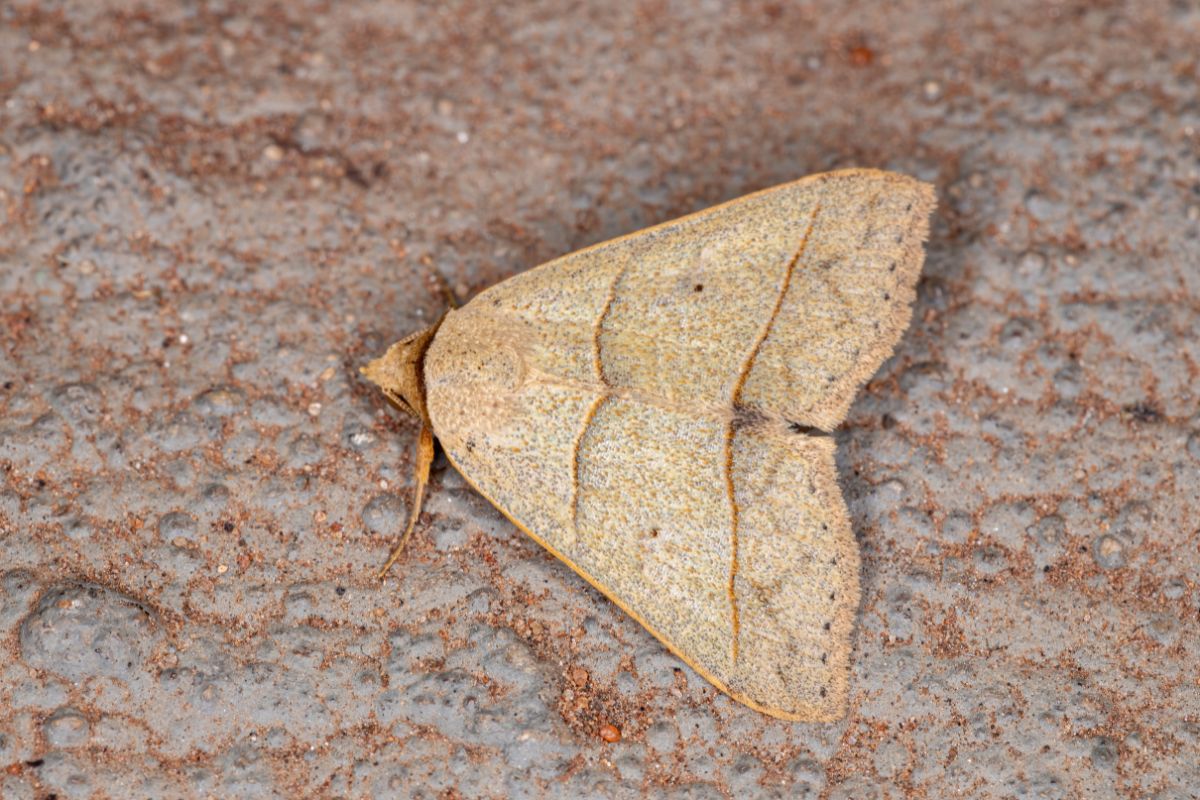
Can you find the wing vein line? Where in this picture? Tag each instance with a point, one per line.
(605, 391)
(597, 355)
(743, 375)
(587, 423)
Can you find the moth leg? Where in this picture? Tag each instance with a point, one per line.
(421, 468)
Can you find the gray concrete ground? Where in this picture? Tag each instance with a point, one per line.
(211, 213)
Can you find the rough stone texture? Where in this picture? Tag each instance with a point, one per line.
(211, 214)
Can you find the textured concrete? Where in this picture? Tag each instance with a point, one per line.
(210, 216)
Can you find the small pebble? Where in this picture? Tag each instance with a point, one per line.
(361, 438)
(861, 55)
(578, 675)
(1108, 551)
(610, 733)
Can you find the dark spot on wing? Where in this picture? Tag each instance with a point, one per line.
(747, 417)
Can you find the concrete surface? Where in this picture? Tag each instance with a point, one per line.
(211, 214)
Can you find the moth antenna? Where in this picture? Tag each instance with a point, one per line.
(421, 478)
(444, 288)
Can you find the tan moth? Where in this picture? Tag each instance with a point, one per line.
(655, 411)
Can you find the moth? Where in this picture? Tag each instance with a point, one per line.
(656, 411)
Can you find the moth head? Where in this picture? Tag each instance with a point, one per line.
(399, 372)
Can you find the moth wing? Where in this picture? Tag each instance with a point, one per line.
(830, 261)
(635, 408)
